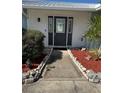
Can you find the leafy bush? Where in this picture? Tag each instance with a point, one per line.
(32, 45)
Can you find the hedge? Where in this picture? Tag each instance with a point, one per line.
(32, 45)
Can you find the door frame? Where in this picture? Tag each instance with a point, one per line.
(66, 45)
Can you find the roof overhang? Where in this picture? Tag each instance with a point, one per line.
(62, 6)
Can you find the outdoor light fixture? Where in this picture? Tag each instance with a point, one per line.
(82, 38)
(38, 19)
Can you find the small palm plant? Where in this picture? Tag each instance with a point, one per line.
(94, 32)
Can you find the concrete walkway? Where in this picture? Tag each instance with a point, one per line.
(61, 76)
(61, 66)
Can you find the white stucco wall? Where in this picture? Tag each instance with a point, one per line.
(80, 23)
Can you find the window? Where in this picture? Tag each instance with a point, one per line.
(50, 24)
(70, 25)
(60, 25)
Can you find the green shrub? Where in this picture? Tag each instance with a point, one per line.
(32, 44)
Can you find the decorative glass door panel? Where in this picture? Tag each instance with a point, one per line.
(60, 25)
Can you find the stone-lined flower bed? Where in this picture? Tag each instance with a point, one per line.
(33, 74)
(35, 63)
(87, 63)
(25, 67)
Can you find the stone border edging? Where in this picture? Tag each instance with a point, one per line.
(37, 71)
(88, 74)
(81, 68)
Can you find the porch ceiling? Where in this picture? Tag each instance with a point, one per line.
(51, 4)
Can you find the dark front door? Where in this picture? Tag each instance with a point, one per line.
(60, 24)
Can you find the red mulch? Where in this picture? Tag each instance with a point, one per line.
(25, 67)
(35, 63)
(95, 65)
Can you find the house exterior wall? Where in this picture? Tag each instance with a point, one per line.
(80, 23)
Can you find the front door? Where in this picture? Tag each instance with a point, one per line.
(60, 24)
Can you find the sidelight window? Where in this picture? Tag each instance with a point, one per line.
(70, 24)
(50, 24)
